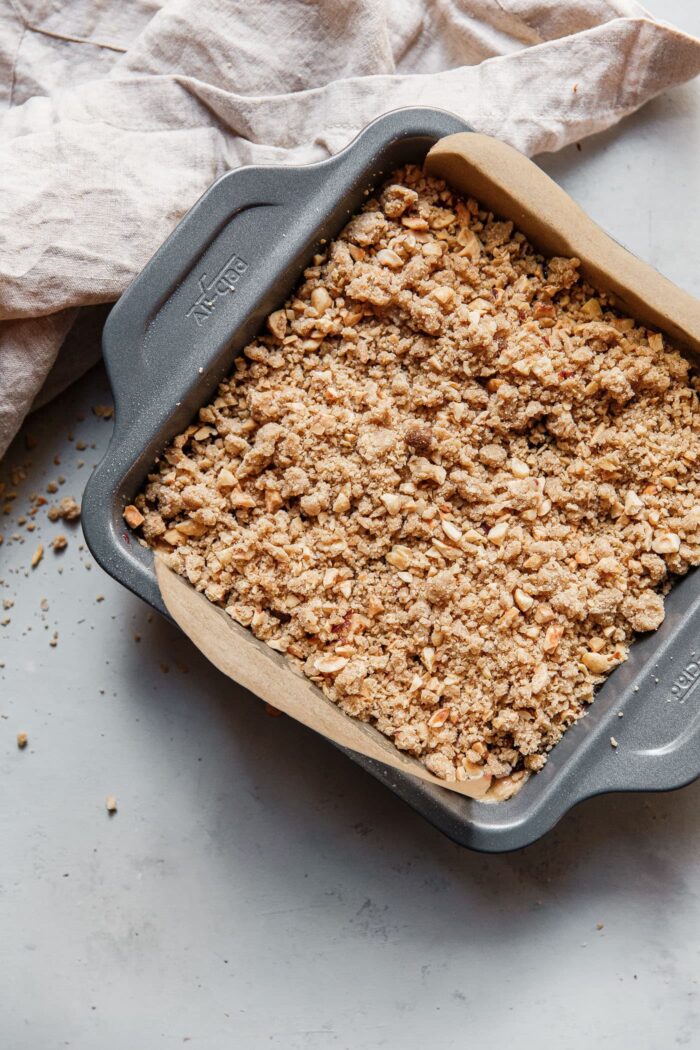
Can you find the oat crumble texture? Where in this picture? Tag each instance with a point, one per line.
(450, 482)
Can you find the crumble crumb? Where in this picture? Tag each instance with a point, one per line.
(67, 510)
(133, 516)
(103, 411)
(449, 481)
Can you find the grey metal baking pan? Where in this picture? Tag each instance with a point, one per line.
(174, 335)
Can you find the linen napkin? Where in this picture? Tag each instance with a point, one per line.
(115, 116)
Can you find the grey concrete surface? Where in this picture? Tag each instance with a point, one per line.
(255, 889)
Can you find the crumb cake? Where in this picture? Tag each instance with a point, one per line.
(449, 481)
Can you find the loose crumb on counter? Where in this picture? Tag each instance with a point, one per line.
(103, 411)
(67, 509)
(450, 482)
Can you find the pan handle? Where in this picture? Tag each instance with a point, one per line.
(167, 343)
(654, 745)
(638, 765)
(177, 319)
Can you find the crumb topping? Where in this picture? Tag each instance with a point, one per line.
(450, 481)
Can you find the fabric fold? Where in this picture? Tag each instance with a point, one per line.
(109, 154)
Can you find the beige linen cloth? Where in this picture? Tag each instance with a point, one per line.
(115, 115)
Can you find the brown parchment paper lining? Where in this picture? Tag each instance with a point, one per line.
(253, 664)
(515, 188)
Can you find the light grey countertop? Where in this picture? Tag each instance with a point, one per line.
(255, 889)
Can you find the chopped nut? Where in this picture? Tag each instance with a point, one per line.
(389, 258)
(451, 531)
(444, 295)
(498, 533)
(471, 246)
(241, 500)
(523, 600)
(519, 469)
(330, 664)
(428, 658)
(277, 324)
(133, 516)
(666, 543)
(598, 663)
(341, 503)
(553, 636)
(399, 557)
(321, 300)
(592, 308)
(330, 577)
(633, 504)
(392, 501)
(37, 555)
(539, 679)
(22, 740)
(226, 479)
(111, 804)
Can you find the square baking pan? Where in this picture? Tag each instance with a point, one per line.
(173, 336)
